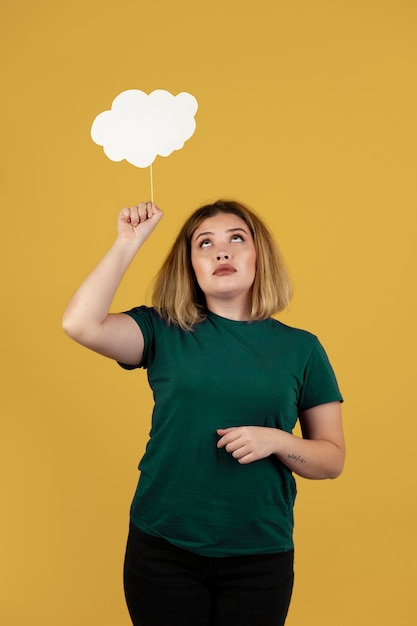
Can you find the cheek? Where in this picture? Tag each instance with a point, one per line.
(251, 264)
(194, 262)
(198, 267)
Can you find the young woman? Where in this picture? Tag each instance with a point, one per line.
(210, 540)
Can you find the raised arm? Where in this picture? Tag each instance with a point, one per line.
(87, 319)
(320, 453)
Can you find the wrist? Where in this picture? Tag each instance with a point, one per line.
(127, 246)
(281, 441)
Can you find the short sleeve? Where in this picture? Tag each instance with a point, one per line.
(144, 317)
(319, 381)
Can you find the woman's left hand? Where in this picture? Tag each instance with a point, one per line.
(248, 443)
(319, 453)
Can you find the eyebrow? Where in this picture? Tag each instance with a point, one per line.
(229, 230)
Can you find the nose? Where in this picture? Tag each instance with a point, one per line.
(222, 256)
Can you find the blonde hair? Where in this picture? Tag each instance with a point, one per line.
(177, 296)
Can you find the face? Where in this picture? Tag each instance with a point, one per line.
(223, 257)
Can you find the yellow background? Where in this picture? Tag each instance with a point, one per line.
(307, 112)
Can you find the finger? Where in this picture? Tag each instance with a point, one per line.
(248, 458)
(226, 440)
(134, 218)
(240, 452)
(226, 431)
(149, 210)
(143, 212)
(125, 214)
(156, 210)
(236, 446)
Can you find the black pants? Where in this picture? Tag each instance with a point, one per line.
(168, 586)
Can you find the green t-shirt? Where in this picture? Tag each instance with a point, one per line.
(223, 373)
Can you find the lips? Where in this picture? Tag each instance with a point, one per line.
(224, 270)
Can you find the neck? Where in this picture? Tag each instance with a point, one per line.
(238, 311)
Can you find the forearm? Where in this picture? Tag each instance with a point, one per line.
(309, 458)
(91, 303)
(318, 456)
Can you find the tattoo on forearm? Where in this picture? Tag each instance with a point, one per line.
(297, 459)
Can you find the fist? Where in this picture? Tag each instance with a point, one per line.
(138, 222)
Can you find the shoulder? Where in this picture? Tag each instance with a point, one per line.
(146, 315)
(147, 319)
(298, 344)
(153, 324)
(292, 333)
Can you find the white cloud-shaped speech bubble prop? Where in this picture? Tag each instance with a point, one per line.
(139, 127)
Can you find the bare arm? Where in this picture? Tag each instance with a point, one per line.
(320, 453)
(87, 319)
